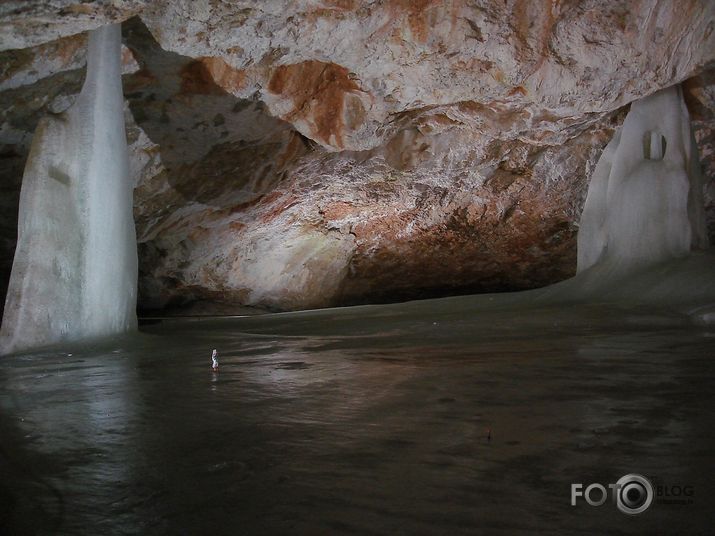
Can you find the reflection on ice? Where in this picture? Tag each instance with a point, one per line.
(319, 422)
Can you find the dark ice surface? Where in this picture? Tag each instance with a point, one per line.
(363, 421)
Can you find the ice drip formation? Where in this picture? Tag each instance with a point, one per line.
(645, 202)
(642, 236)
(74, 275)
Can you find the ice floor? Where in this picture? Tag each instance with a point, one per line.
(363, 421)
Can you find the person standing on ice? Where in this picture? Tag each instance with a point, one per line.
(214, 360)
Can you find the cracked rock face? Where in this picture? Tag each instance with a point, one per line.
(307, 154)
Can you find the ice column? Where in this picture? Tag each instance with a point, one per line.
(74, 274)
(644, 203)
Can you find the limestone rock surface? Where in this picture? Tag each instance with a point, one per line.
(295, 154)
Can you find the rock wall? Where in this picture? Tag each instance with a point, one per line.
(305, 154)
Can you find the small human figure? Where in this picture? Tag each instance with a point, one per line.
(214, 360)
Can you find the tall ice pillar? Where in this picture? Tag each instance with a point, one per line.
(74, 275)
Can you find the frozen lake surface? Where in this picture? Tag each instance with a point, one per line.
(369, 420)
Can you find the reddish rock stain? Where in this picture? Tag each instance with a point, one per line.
(196, 79)
(223, 74)
(318, 92)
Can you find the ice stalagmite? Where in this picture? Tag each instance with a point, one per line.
(644, 203)
(75, 270)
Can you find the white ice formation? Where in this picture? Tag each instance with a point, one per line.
(645, 203)
(74, 275)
